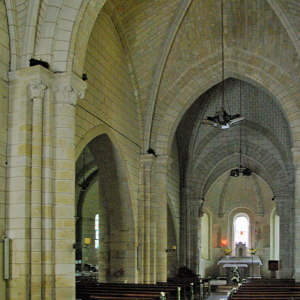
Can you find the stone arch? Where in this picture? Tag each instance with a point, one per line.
(181, 12)
(286, 23)
(118, 227)
(99, 130)
(80, 35)
(206, 175)
(260, 200)
(13, 33)
(115, 199)
(269, 135)
(277, 84)
(49, 18)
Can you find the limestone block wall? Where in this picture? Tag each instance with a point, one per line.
(173, 230)
(173, 190)
(4, 67)
(110, 107)
(109, 99)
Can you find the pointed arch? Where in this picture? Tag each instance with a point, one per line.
(276, 84)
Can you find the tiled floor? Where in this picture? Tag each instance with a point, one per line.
(217, 296)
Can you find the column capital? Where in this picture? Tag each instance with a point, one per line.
(66, 94)
(146, 160)
(37, 89)
(69, 88)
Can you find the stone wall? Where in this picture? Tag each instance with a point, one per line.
(110, 99)
(173, 189)
(110, 107)
(4, 67)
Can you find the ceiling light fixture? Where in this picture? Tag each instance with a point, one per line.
(222, 118)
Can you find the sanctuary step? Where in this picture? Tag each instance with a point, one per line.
(222, 289)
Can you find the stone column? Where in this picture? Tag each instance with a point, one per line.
(146, 162)
(37, 94)
(24, 183)
(296, 161)
(68, 88)
(284, 209)
(160, 209)
(40, 183)
(194, 235)
(183, 255)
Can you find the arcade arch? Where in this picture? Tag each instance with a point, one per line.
(103, 192)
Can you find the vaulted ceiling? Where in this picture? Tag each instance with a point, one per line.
(174, 49)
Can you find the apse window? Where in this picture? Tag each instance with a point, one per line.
(97, 231)
(241, 229)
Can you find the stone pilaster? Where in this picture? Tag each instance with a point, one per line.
(296, 161)
(40, 185)
(183, 235)
(160, 219)
(194, 224)
(24, 180)
(68, 88)
(145, 216)
(37, 94)
(284, 209)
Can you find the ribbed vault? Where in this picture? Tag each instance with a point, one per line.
(261, 143)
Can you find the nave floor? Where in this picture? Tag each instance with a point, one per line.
(219, 290)
(217, 296)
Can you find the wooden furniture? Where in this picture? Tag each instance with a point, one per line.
(267, 289)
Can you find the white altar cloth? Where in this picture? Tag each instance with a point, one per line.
(247, 266)
(240, 260)
(235, 265)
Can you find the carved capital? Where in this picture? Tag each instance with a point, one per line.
(146, 160)
(67, 94)
(37, 89)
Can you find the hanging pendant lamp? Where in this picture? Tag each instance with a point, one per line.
(243, 171)
(222, 118)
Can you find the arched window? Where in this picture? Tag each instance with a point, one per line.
(241, 226)
(97, 231)
(205, 247)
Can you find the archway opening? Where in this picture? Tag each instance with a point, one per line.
(104, 213)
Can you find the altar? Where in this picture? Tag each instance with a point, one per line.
(248, 266)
